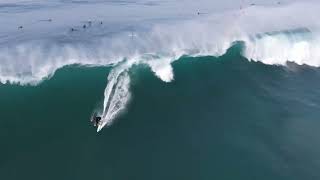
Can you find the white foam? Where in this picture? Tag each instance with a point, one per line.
(27, 58)
(282, 48)
(116, 94)
(30, 61)
(163, 71)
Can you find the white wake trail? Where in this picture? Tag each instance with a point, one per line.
(116, 96)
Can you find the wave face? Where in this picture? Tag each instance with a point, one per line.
(262, 118)
(269, 34)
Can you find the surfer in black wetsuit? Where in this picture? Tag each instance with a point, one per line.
(95, 120)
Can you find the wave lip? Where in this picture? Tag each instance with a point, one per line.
(278, 47)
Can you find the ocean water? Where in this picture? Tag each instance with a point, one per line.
(231, 93)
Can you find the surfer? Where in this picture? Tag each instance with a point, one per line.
(73, 29)
(95, 120)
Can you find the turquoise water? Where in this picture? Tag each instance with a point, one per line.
(221, 118)
(218, 89)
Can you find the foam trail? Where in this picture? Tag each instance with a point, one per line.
(116, 96)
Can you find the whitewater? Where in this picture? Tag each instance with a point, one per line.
(52, 36)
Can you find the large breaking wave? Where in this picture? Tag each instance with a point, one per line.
(272, 35)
